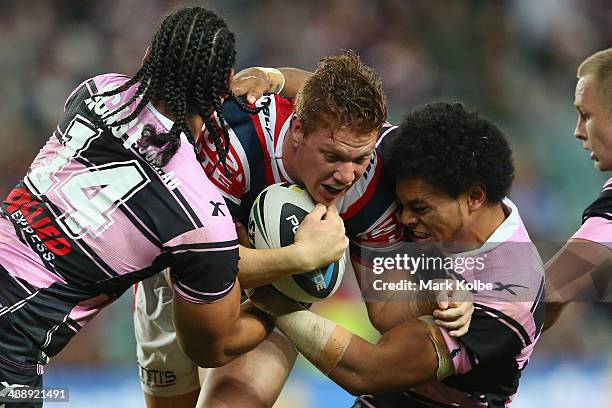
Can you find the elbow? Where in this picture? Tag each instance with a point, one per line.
(214, 361)
(206, 355)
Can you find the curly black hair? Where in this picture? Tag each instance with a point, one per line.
(188, 69)
(451, 148)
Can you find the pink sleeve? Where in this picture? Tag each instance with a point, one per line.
(596, 229)
(458, 353)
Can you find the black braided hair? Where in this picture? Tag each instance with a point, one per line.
(188, 69)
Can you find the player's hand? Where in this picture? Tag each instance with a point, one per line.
(454, 310)
(320, 239)
(251, 82)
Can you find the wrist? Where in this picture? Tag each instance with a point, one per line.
(325, 348)
(421, 304)
(301, 260)
(281, 309)
(276, 79)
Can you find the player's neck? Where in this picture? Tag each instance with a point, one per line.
(194, 121)
(163, 109)
(487, 221)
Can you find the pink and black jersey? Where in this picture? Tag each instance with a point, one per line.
(93, 216)
(369, 208)
(505, 326)
(597, 218)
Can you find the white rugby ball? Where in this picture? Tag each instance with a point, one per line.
(275, 216)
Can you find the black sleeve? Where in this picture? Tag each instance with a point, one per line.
(601, 207)
(493, 334)
(205, 274)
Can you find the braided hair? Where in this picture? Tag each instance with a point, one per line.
(188, 69)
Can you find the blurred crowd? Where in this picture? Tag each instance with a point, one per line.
(513, 60)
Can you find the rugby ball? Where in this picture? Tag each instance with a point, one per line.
(275, 216)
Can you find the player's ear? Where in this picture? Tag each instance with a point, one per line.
(297, 132)
(147, 54)
(476, 197)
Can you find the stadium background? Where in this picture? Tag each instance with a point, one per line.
(514, 60)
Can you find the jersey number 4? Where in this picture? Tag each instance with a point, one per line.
(89, 195)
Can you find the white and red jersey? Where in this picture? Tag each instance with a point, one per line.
(369, 209)
(597, 218)
(93, 216)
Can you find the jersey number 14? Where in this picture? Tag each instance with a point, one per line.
(90, 195)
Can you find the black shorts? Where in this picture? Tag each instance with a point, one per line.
(17, 376)
(396, 400)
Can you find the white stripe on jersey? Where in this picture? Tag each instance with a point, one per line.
(19, 304)
(389, 129)
(53, 330)
(267, 120)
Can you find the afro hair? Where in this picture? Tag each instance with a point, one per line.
(452, 149)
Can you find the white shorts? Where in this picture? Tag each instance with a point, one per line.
(164, 370)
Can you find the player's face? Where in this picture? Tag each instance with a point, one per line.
(594, 125)
(330, 163)
(430, 214)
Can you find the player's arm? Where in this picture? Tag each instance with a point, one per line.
(378, 304)
(452, 310)
(411, 353)
(319, 240)
(214, 334)
(256, 81)
(211, 326)
(572, 269)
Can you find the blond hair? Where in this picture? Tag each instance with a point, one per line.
(342, 92)
(600, 66)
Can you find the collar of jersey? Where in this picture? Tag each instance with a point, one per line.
(166, 122)
(501, 235)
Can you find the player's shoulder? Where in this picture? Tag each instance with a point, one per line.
(254, 138)
(274, 111)
(104, 82)
(385, 134)
(273, 118)
(602, 206)
(94, 85)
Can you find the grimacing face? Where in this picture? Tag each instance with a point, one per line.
(594, 125)
(330, 163)
(430, 214)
